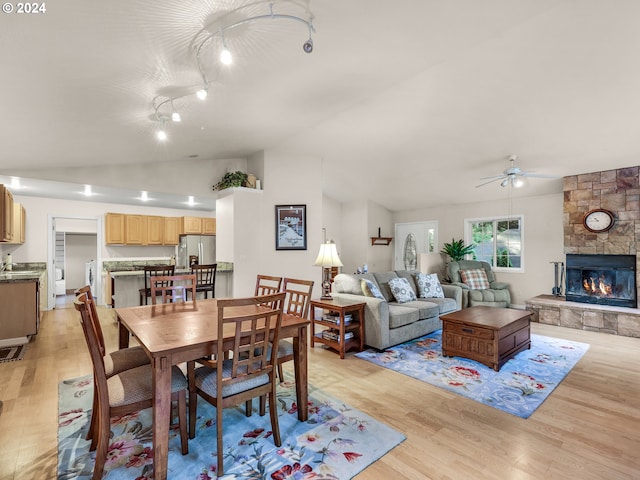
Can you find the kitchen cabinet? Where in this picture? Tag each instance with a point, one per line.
(208, 226)
(6, 214)
(198, 226)
(126, 229)
(114, 228)
(20, 312)
(191, 225)
(155, 230)
(135, 229)
(19, 219)
(171, 231)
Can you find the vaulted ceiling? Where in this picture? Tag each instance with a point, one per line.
(408, 103)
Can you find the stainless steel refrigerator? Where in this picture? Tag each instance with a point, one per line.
(203, 246)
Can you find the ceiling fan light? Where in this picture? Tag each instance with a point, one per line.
(175, 117)
(202, 94)
(162, 135)
(504, 182)
(518, 182)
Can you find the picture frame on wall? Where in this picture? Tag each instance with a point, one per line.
(291, 227)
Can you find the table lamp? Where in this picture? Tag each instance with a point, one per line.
(327, 258)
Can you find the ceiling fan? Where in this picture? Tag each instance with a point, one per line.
(512, 176)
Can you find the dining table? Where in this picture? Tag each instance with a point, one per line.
(174, 333)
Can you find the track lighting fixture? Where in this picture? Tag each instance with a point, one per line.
(212, 35)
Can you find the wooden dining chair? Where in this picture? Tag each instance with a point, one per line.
(153, 271)
(114, 362)
(298, 295)
(267, 285)
(250, 370)
(205, 278)
(173, 288)
(124, 392)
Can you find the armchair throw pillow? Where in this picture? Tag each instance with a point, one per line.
(475, 278)
(369, 289)
(429, 285)
(401, 290)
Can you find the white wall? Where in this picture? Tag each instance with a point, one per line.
(543, 236)
(287, 180)
(379, 257)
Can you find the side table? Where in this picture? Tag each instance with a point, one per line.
(339, 307)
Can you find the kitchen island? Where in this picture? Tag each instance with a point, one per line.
(125, 285)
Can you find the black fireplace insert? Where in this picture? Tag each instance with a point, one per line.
(602, 279)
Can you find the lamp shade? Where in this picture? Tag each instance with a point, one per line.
(328, 256)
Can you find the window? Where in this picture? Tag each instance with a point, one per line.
(497, 241)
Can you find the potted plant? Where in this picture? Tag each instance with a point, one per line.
(232, 179)
(456, 249)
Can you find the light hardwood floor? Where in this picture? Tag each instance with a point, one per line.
(589, 428)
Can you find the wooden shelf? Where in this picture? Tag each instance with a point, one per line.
(381, 240)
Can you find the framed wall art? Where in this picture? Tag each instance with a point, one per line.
(291, 227)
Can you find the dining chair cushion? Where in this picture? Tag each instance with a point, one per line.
(124, 359)
(205, 380)
(285, 348)
(136, 385)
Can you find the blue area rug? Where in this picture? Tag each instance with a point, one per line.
(337, 442)
(519, 388)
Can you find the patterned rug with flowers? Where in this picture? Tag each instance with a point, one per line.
(337, 442)
(519, 388)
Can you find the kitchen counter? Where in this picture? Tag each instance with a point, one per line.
(126, 284)
(16, 276)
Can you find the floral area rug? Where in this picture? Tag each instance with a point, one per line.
(337, 442)
(519, 388)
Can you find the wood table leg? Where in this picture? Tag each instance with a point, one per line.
(123, 338)
(161, 416)
(301, 373)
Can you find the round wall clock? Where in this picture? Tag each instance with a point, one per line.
(598, 220)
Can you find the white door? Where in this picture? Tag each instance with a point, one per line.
(412, 239)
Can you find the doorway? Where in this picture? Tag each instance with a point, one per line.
(412, 239)
(73, 244)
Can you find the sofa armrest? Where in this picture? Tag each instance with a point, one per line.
(499, 285)
(463, 286)
(376, 318)
(454, 292)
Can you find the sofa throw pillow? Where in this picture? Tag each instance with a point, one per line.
(369, 289)
(475, 278)
(401, 290)
(429, 285)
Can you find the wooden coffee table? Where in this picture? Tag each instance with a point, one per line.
(488, 335)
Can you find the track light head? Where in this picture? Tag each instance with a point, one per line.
(308, 45)
(202, 94)
(225, 56)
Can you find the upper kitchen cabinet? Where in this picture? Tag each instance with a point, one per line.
(191, 225)
(6, 215)
(114, 228)
(155, 230)
(171, 230)
(135, 229)
(198, 226)
(19, 222)
(208, 226)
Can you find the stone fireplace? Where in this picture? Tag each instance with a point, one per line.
(617, 191)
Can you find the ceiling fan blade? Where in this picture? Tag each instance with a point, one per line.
(537, 175)
(494, 179)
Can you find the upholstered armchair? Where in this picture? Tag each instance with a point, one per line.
(479, 285)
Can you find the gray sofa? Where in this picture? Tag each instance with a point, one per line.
(389, 323)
